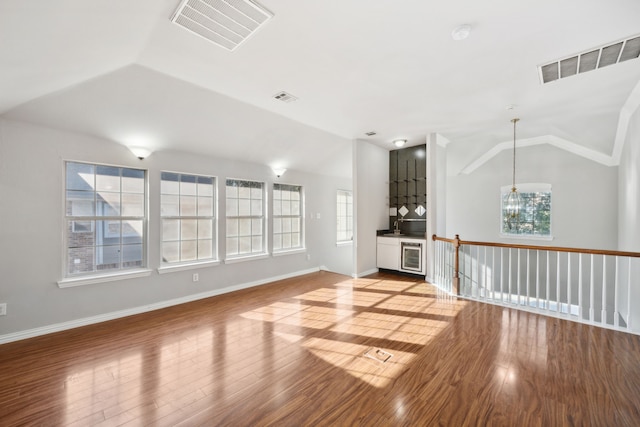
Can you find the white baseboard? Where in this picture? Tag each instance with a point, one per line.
(365, 273)
(57, 327)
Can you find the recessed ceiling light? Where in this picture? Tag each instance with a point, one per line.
(399, 142)
(461, 32)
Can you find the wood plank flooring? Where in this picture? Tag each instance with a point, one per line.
(304, 351)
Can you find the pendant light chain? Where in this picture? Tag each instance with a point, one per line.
(513, 182)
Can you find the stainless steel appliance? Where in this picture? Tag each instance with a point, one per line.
(411, 259)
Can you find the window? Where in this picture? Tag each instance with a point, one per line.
(344, 216)
(245, 218)
(187, 211)
(105, 213)
(534, 219)
(287, 217)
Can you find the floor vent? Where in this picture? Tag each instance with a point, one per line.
(592, 59)
(378, 355)
(227, 23)
(285, 97)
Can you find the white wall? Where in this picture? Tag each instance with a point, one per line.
(629, 210)
(31, 229)
(371, 200)
(584, 197)
(629, 189)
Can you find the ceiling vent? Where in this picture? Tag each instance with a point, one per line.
(285, 97)
(590, 60)
(227, 23)
(370, 133)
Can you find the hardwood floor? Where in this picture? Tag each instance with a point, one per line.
(311, 350)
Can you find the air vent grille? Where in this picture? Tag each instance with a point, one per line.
(613, 53)
(227, 23)
(284, 97)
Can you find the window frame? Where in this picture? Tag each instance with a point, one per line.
(525, 189)
(264, 251)
(213, 218)
(300, 216)
(346, 230)
(69, 278)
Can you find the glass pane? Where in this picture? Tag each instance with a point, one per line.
(244, 192)
(286, 241)
(232, 227)
(188, 229)
(187, 205)
(232, 191)
(108, 204)
(107, 178)
(205, 250)
(286, 207)
(133, 181)
(132, 231)
(277, 225)
(244, 227)
(132, 204)
(295, 240)
(170, 183)
(205, 186)
(277, 208)
(256, 193)
(244, 245)
(256, 243)
(189, 251)
(80, 260)
(80, 177)
(256, 207)
(286, 225)
(256, 226)
(131, 256)
(295, 195)
(277, 241)
(170, 205)
(295, 208)
(205, 229)
(171, 252)
(80, 203)
(107, 257)
(286, 195)
(170, 230)
(232, 207)
(188, 185)
(295, 224)
(277, 193)
(232, 245)
(107, 233)
(205, 206)
(244, 207)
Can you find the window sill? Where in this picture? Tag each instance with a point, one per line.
(246, 258)
(290, 252)
(170, 268)
(526, 237)
(345, 243)
(71, 282)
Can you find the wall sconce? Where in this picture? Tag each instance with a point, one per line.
(140, 152)
(279, 171)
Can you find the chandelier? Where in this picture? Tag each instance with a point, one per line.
(513, 200)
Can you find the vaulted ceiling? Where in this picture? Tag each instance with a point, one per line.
(116, 69)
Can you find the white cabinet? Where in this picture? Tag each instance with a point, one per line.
(388, 254)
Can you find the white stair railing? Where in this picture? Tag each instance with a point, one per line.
(584, 285)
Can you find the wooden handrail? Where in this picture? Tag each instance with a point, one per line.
(538, 248)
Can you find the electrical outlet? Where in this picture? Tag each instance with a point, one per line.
(196, 277)
(308, 257)
(3, 309)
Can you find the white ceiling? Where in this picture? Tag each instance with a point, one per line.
(116, 68)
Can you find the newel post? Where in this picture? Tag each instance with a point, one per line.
(456, 267)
